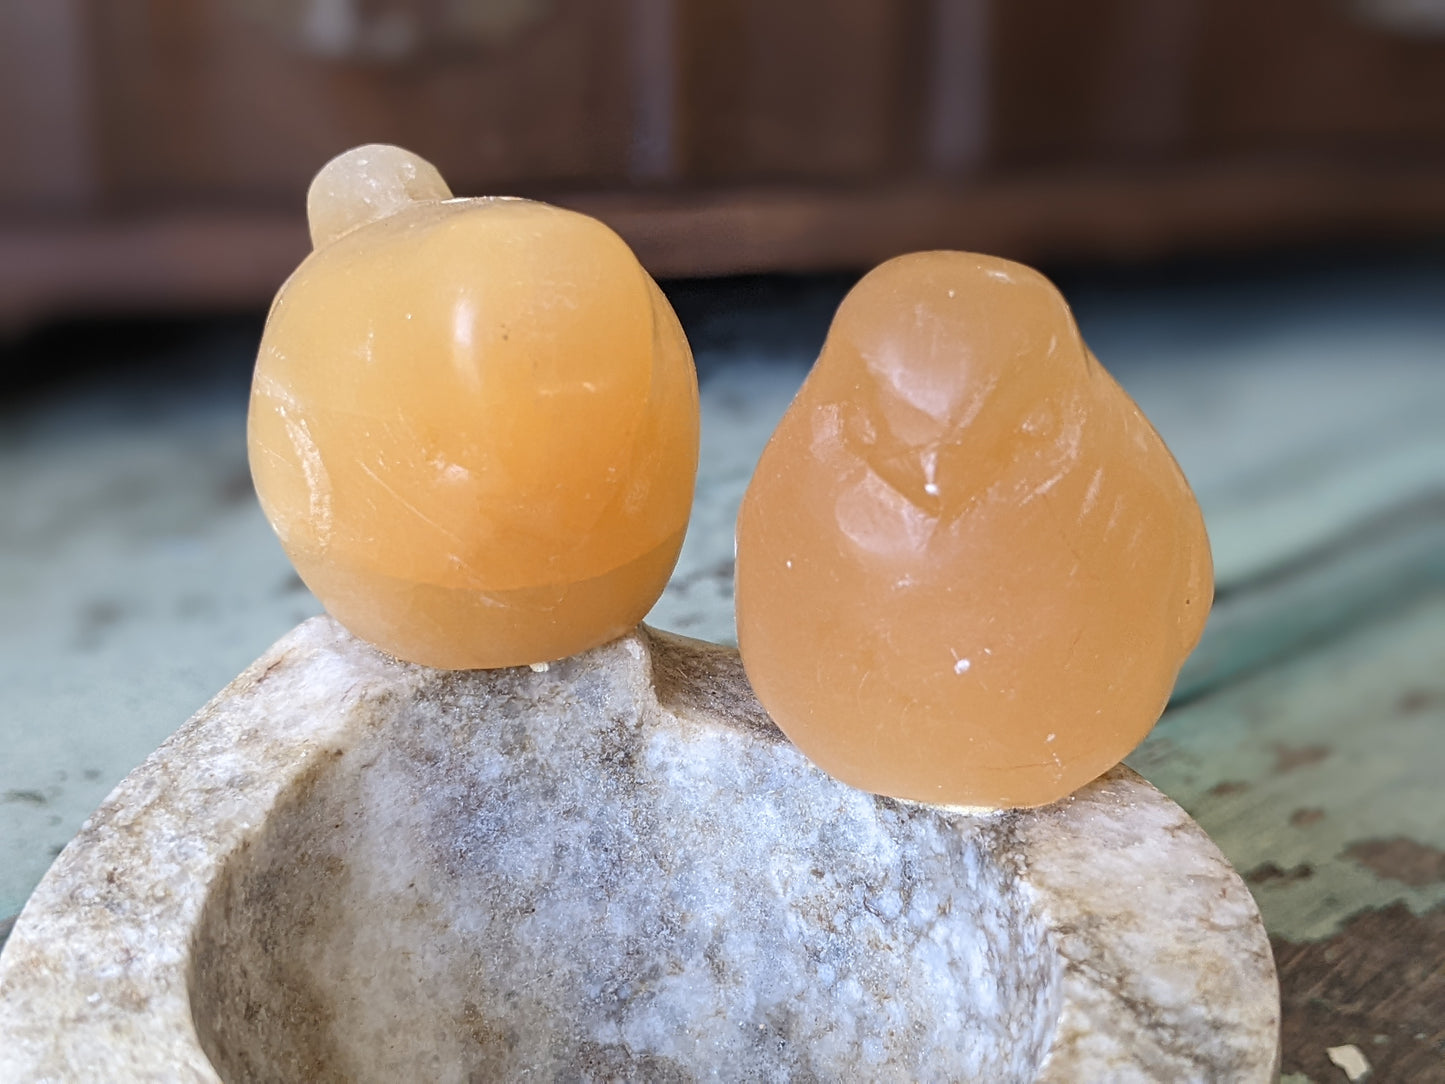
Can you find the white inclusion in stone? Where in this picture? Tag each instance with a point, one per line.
(788, 563)
(930, 472)
(961, 666)
(1051, 737)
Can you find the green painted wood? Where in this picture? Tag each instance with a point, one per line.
(1320, 778)
(1340, 581)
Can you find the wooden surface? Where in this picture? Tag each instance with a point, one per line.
(161, 148)
(170, 261)
(1319, 778)
(216, 101)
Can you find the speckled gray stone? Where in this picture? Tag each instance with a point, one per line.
(346, 868)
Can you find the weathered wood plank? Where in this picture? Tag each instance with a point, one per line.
(1319, 779)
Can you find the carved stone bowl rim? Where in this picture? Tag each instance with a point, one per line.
(95, 980)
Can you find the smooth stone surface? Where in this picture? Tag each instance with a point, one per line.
(474, 422)
(968, 568)
(349, 868)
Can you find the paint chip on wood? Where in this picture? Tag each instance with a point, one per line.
(1400, 859)
(1289, 757)
(1350, 1060)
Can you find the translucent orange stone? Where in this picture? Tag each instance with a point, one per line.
(474, 423)
(968, 570)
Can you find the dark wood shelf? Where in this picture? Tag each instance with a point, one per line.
(219, 260)
(718, 136)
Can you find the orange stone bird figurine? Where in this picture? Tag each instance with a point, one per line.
(474, 422)
(968, 569)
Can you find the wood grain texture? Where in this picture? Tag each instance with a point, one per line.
(1050, 78)
(46, 97)
(654, 67)
(809, 90)
(1319, 777)
(960, 98)
(170, 263)
(227, 259)
(1296, 74)
(719, 136)
(1377, 985)
(203, 105)
(1075, 214)
(1146, 78)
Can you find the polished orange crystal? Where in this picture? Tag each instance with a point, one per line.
(474, 423)
(968, 570)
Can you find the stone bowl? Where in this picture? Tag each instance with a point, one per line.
(347, 868)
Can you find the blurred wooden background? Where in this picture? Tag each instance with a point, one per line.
(156, 152)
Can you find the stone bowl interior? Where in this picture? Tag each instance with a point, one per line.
(345, 868)
(574, 886)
